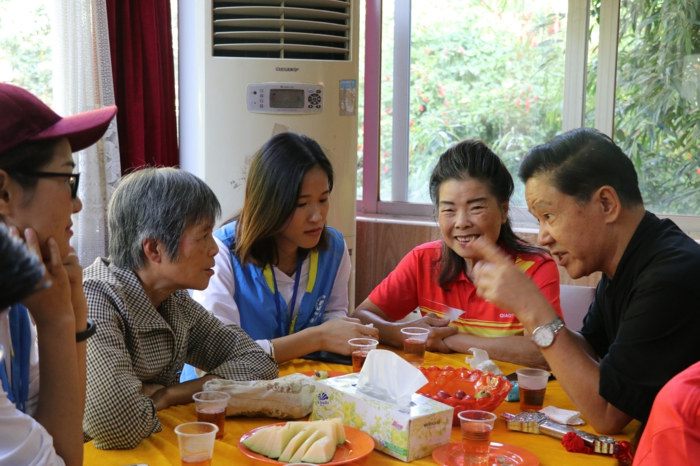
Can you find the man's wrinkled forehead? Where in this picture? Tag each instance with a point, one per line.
(539, 190)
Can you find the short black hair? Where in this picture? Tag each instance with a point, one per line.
(581, 161)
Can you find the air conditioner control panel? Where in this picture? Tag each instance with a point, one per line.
(285, 98)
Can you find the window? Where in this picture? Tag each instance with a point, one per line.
(475, 71)
(25, 46)
(657, 101)
(516, 73)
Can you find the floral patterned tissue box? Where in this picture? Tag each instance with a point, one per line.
(404, 433)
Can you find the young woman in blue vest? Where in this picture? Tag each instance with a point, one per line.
(281, 273)
(38, 196)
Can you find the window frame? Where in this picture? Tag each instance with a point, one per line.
(573, 114)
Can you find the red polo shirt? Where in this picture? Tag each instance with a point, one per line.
(672, 433)
(414, 284)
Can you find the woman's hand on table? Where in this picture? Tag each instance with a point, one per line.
(160, 398)
(332, 335)
(335, 334)
(177, 394)
(390, 329)
(439, 330)
(149, 389)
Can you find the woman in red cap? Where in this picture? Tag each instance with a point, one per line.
(38, 195)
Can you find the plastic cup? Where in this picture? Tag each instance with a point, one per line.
(211, 407)
(196, 441)
(360, 348)
(532, 385)
(476, 436)
(415, 340)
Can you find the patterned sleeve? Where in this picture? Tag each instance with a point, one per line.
(222, 349)
(117, 414)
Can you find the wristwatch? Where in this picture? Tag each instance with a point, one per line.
(87, 333)
(544, 335)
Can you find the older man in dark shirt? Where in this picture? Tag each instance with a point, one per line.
(641, 329)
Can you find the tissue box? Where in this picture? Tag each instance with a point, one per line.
(404, 433)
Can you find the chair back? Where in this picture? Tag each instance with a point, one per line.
(575, 301)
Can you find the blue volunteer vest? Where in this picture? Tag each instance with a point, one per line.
(255, 289)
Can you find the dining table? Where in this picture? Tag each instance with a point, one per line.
(162, 448)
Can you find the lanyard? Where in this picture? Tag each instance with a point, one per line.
(281, 318)
(20, 333)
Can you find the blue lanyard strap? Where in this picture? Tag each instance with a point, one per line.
(20, 333)
(284, 318)
(271, 280)
(6, 387)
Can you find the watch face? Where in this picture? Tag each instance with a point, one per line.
(543, 336)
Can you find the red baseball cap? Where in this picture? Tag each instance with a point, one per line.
(23, 117)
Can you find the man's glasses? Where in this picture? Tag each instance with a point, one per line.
(73, 179)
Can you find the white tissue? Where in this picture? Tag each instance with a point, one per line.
(447, 311)
(387, 377)
(480, 361)
(563, 416)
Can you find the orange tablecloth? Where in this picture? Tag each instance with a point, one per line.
(162, 449)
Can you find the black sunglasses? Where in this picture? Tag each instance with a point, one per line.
(73, 179)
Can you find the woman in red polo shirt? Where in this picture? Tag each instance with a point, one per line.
(471, 188)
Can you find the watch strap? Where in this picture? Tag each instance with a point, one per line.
(87, 333)
(554, 327)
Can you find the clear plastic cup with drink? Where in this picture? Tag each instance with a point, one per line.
(360, 348)
(196, 441)
(211, 407)
(415, 340)
(532, 385)
(476, 436)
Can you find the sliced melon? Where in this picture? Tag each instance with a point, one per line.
(267, 447)
(299, 454)
(273, 445)
(295, 443)
(257, 441)
(321, 451)
(328, 428)
(339, 429)
(286, 434)
(291, 441)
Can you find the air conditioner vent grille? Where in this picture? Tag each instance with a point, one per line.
(287, 29)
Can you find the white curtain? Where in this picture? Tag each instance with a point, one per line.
(82, 80)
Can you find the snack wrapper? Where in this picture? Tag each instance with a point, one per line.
(289, 397)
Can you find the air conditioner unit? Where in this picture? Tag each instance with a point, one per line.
(251, 69)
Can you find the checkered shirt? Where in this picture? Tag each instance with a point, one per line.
(135, 344)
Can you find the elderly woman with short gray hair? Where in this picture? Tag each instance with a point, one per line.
(160, 225)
